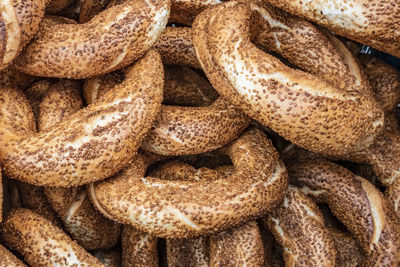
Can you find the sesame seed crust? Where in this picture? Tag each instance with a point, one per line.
(349, 252)
(357, 204)
(84, 223)
(90, 8)
(8, 259)
(150, 204)
(181, 130)
(299, 227)
(185, 11)
(188, 252)
(175, 47)
(41, 243)
(139, 249)
(19, 22)
(371, 22)
(239, 246)
(304, 108)
(92, 144)
(33, 198)
(111, 40)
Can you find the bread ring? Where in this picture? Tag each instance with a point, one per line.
(299, 227)
(138, 248)
(111, 40)
(306, 109)
(7, 259)
(237, 246)
(80, 218)
(41, 243)
(19, 22)
(185, 130)
(33, 198)
(374, 23)
(392, 194)
(97, 141)
(175, 47)
(265, 182)
(109, 258)
(357, 204)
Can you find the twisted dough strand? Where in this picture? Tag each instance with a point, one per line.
(111, 40)
(41, 243)
(327, 111)
(357, 204)
(257, 185)
(92, 144)
(375, 23)
(19, 22)
(299, 227)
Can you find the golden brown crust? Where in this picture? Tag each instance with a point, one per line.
(183, 130)
(112, 130)
(33, 198)
(35, 93)
(90, 8)
(185, 11)
(138, 249)
(41, 243)
(60, 101)
(21, 19)
(308, 109)
(7, 259)
(111, 40)
(383, 156)
(349, 252)
(188, 252)
(299, 227)
(384, 80)
(10, 76)
(257, 185)
(374, 23)
(81, 220)
(194, 130)
(176, 47)
(357, 204)
(239, 246)
(1, 197)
